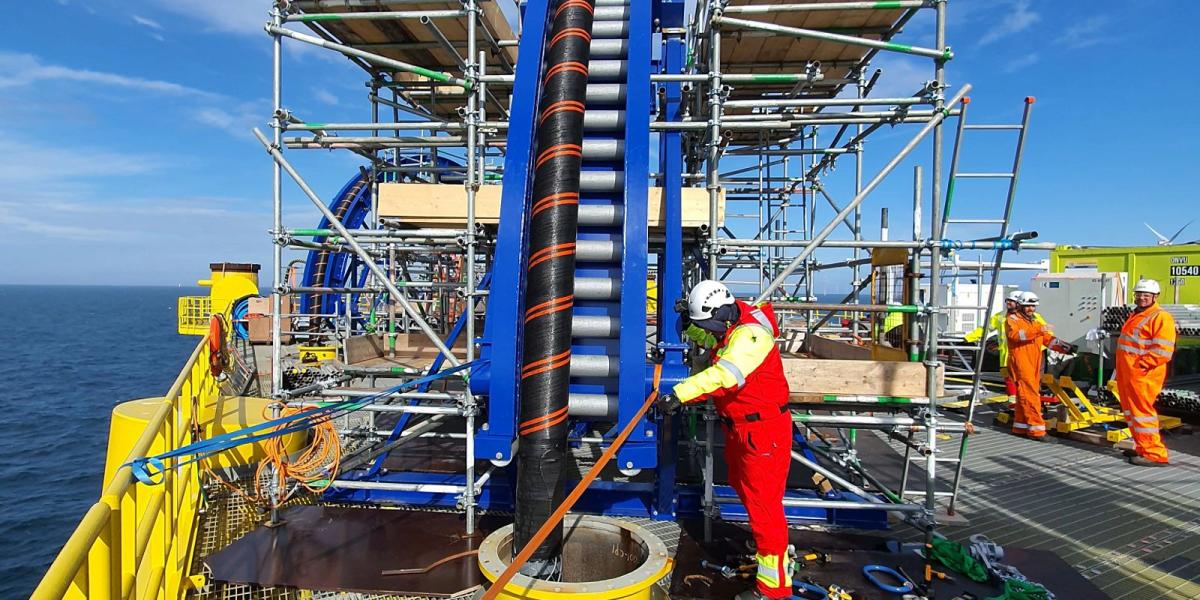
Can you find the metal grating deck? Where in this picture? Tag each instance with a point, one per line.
(1132, 531)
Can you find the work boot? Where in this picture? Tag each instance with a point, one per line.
(1142, 461)
(1129, 453)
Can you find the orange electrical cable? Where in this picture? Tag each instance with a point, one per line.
(574, 496)
(315, 468)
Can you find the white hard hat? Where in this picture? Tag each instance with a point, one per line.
(706, 298)
(1147, 285)
(1014, 296)
(1028, 299)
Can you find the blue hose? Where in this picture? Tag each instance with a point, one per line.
(239, 313)
(869, 572)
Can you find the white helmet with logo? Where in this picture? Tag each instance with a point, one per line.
(1028, 299)
(1147, 285)
(706, 298)
(1014, 296)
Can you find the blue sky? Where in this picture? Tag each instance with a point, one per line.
(126, 157)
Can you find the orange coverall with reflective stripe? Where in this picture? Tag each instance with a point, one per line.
(1145, 347)
(1026, 338)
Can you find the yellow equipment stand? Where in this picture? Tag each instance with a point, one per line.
(1075, 411)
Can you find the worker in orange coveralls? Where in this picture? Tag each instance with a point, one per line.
(747, 384)
(1145, 347)
(1026, 338)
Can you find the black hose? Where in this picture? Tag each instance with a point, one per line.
(549, 291)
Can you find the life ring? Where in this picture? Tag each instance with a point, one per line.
(216, 345)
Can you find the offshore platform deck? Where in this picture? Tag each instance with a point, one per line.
(360, 411)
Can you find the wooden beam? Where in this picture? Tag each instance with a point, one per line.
(443, 205)
(808, 377)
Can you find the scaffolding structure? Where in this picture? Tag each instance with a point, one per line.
(753, 103)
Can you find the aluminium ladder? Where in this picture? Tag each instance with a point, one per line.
(974, 370)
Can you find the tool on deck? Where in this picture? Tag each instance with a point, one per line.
(811, 555)
(727, 571)
(837, 592)
(931, 572)
(922, 588)
(810, 591)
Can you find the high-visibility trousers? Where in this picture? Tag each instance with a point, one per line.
(758, 455)
(1027, 409)
(1137, 394)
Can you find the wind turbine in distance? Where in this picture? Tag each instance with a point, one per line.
(1164, 240)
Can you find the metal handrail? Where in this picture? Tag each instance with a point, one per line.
(98, 561)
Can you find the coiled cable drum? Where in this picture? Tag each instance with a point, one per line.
(549, 290)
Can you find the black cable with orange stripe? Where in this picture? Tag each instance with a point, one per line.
(550, 276)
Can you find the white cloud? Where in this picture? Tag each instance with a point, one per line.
(1021, 62)
(1017, 18)
(28, 162)
(226, 16)
(324, 96)
(20, 70)
(167, 207)
(49, 229)
(1085, 33)
(235, 120)
(245, 17)
(147, 22)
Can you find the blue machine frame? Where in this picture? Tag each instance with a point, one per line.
(653, 444)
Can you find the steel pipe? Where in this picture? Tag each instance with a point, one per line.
(866, 191)
(375, 59)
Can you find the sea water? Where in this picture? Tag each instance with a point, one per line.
(67, 355)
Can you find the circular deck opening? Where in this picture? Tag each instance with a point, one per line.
(599, 554)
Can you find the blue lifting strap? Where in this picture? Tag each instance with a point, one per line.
(149, 469)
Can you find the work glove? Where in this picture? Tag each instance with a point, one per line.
(684, 321)
(668, 404)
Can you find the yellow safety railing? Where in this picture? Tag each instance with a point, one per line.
(193, 314)
(136, 542)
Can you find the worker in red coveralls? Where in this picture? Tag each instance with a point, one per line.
(747, 384)
(1145, 347)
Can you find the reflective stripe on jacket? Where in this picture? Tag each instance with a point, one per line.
(746, 375)
(996, 323)
(1145, 346)
(1147, 338)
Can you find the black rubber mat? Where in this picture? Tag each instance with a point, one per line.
(347, 549)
